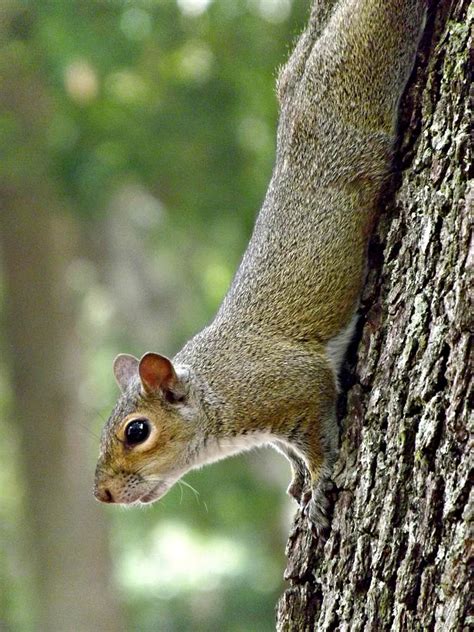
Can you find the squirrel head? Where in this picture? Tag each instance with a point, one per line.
(147, 443)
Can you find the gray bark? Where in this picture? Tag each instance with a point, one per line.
(396, 555)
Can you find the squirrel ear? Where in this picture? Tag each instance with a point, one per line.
(157, 374)
(125, 367)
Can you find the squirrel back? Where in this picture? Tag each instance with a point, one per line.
(265, 370)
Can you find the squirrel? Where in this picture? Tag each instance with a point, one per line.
(265, 371)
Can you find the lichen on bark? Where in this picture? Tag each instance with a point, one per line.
(396, 556)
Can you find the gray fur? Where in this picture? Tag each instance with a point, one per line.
(268, 362)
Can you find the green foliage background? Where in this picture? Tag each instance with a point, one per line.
(170, 106)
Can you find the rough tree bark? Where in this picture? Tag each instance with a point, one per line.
(396, 556)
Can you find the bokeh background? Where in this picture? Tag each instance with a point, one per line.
(136, 143)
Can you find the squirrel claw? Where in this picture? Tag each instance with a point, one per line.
(316, 508)
(317, 515)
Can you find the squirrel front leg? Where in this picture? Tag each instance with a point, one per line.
(309, 439)
(299, 470)
(316, 446)
(311, 468)
(311, 463)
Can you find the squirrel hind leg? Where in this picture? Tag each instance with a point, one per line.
(292, 72)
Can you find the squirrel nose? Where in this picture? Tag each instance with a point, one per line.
(104, 495)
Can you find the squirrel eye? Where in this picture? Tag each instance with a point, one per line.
(137, 431)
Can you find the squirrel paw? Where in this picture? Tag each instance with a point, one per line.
(317, 507)
(316, 512)
(296, 487)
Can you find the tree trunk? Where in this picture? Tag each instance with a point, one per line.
(396, 556)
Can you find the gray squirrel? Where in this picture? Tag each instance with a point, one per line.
(265, 371)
